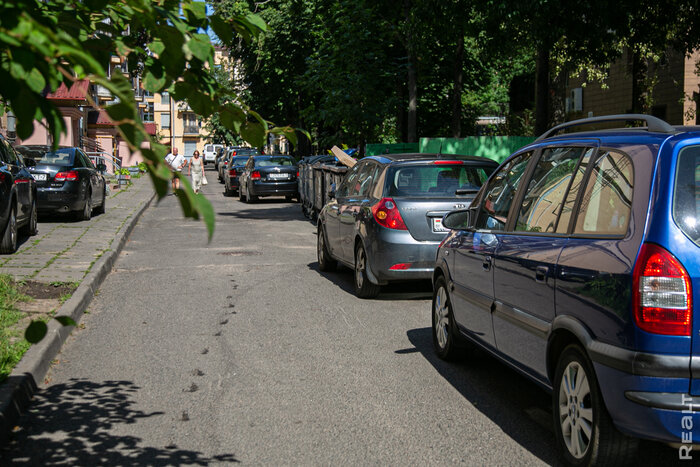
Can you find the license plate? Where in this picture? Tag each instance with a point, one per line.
(278, 176)
(437, 225)
(39, 177)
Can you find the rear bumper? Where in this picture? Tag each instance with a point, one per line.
(286, 188)
(387, 248)
(64, 199)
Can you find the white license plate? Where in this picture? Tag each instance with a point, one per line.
(39, 177)
(278, 176)
(437, 225)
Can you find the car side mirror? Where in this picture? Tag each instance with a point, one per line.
(457, 220)
(101, 167)
(29, 162)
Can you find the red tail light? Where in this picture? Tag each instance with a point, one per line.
(448, 162)
(663, 301)
(232, 173)
(400, 267)
(235, 153)
(66, 176)
(387, 214)
(21, 180)
(297, 174)
(255, 175)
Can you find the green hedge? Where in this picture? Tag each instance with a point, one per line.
(493, 147)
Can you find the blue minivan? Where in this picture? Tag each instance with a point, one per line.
(578, 264)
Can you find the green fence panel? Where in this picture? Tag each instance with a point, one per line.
(493, 147)
(396, 148)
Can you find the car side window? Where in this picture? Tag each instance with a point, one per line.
(575, 187)
(78, 160)
(350, 180)
(607, 201)
(499, 194)
(87, 161)
(366, 179)
(3, 155)
(10, 156)
(543, 200)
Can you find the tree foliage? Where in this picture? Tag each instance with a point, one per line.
(44, 43)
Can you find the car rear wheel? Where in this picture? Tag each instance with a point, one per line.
(325, 262)
(445, 334)
(585, 433)
(103, 205)
(86, 213)
(363, 287)
(32, 226)
(240, 195)
(9, 238)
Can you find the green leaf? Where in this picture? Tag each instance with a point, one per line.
(254, 133)
(199, 9)
(200, 46)
(35, 332)
(256, 21)
(232, 117)
(157, 47)
(221, 28)
(201, 103)
(66, 320)
(154, 78)
(121, 111)
(36, 81)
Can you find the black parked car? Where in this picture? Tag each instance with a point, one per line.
(268, 176)
(385, 220)
(67, 181)
(18, 198)
(232, 174)
(223, 164)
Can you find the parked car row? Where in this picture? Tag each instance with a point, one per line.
(575, 262)
(38, 180)
(253, 176)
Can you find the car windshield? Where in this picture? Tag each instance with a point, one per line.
(272, 161)
(686, 199)
(436, 180)
(58, 157)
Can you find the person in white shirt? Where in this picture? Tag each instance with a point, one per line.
(176, 162)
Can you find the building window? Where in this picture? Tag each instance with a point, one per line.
(165, 98)
(189, 121)
(165, 120)
(148, 113)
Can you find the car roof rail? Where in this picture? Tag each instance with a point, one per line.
(653, 123)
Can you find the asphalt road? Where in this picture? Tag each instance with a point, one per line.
(240, 350)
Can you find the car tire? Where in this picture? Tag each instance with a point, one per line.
(8, 244)
(86, 213)
(103, 205)
(32, 226)
(584, 430)
(227, 190)
(241, 198)
(446, 339)
(325, 262)
(363, 287)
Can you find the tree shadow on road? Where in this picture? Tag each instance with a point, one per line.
(271, 211)
(514, 403)
(72, 424)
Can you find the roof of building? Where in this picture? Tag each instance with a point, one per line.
(150, 128)
(76, 92)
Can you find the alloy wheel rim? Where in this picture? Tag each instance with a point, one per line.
(320, 246)
(13, 229)
(441, 317)
(359, 269)
(575, 410)
(88, 207)
(33, 221)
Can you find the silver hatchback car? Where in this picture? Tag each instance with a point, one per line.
(384, 221)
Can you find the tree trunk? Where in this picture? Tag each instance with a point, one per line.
(639, 86)
(457, 88)
(412, 136)
(401, 111)
(542, 91)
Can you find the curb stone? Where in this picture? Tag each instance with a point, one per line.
(17, 391)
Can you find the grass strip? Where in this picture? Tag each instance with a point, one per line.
(12, 342)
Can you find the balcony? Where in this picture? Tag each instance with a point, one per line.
(103, 93)
(190, 130)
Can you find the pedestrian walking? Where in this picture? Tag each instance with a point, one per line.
(176, 162)
(196, 170)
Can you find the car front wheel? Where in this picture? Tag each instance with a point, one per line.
(363, 287)
(584, 430)
(32, 227)
(325, 262)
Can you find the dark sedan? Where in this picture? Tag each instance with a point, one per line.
(67, 181)
(385, 220)
(269, 176)
(233, 173)
(18, 199)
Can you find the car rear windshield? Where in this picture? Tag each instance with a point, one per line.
(686, 197)
(240, 160)
(59, 157)
(208, 148)
(272, 161)
(436, 180)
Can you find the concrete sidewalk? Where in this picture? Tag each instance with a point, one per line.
(67, 251)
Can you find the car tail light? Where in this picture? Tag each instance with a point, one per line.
(297, 174)
(2, 177)
(232, 173)
(400, 267)
(387, 214)
(448, 162)
(234, 153)
(662, 293)
(66, 176)
(255, 175)
(21, 180)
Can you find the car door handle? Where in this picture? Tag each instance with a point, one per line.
(486, 264)
(541, 273)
